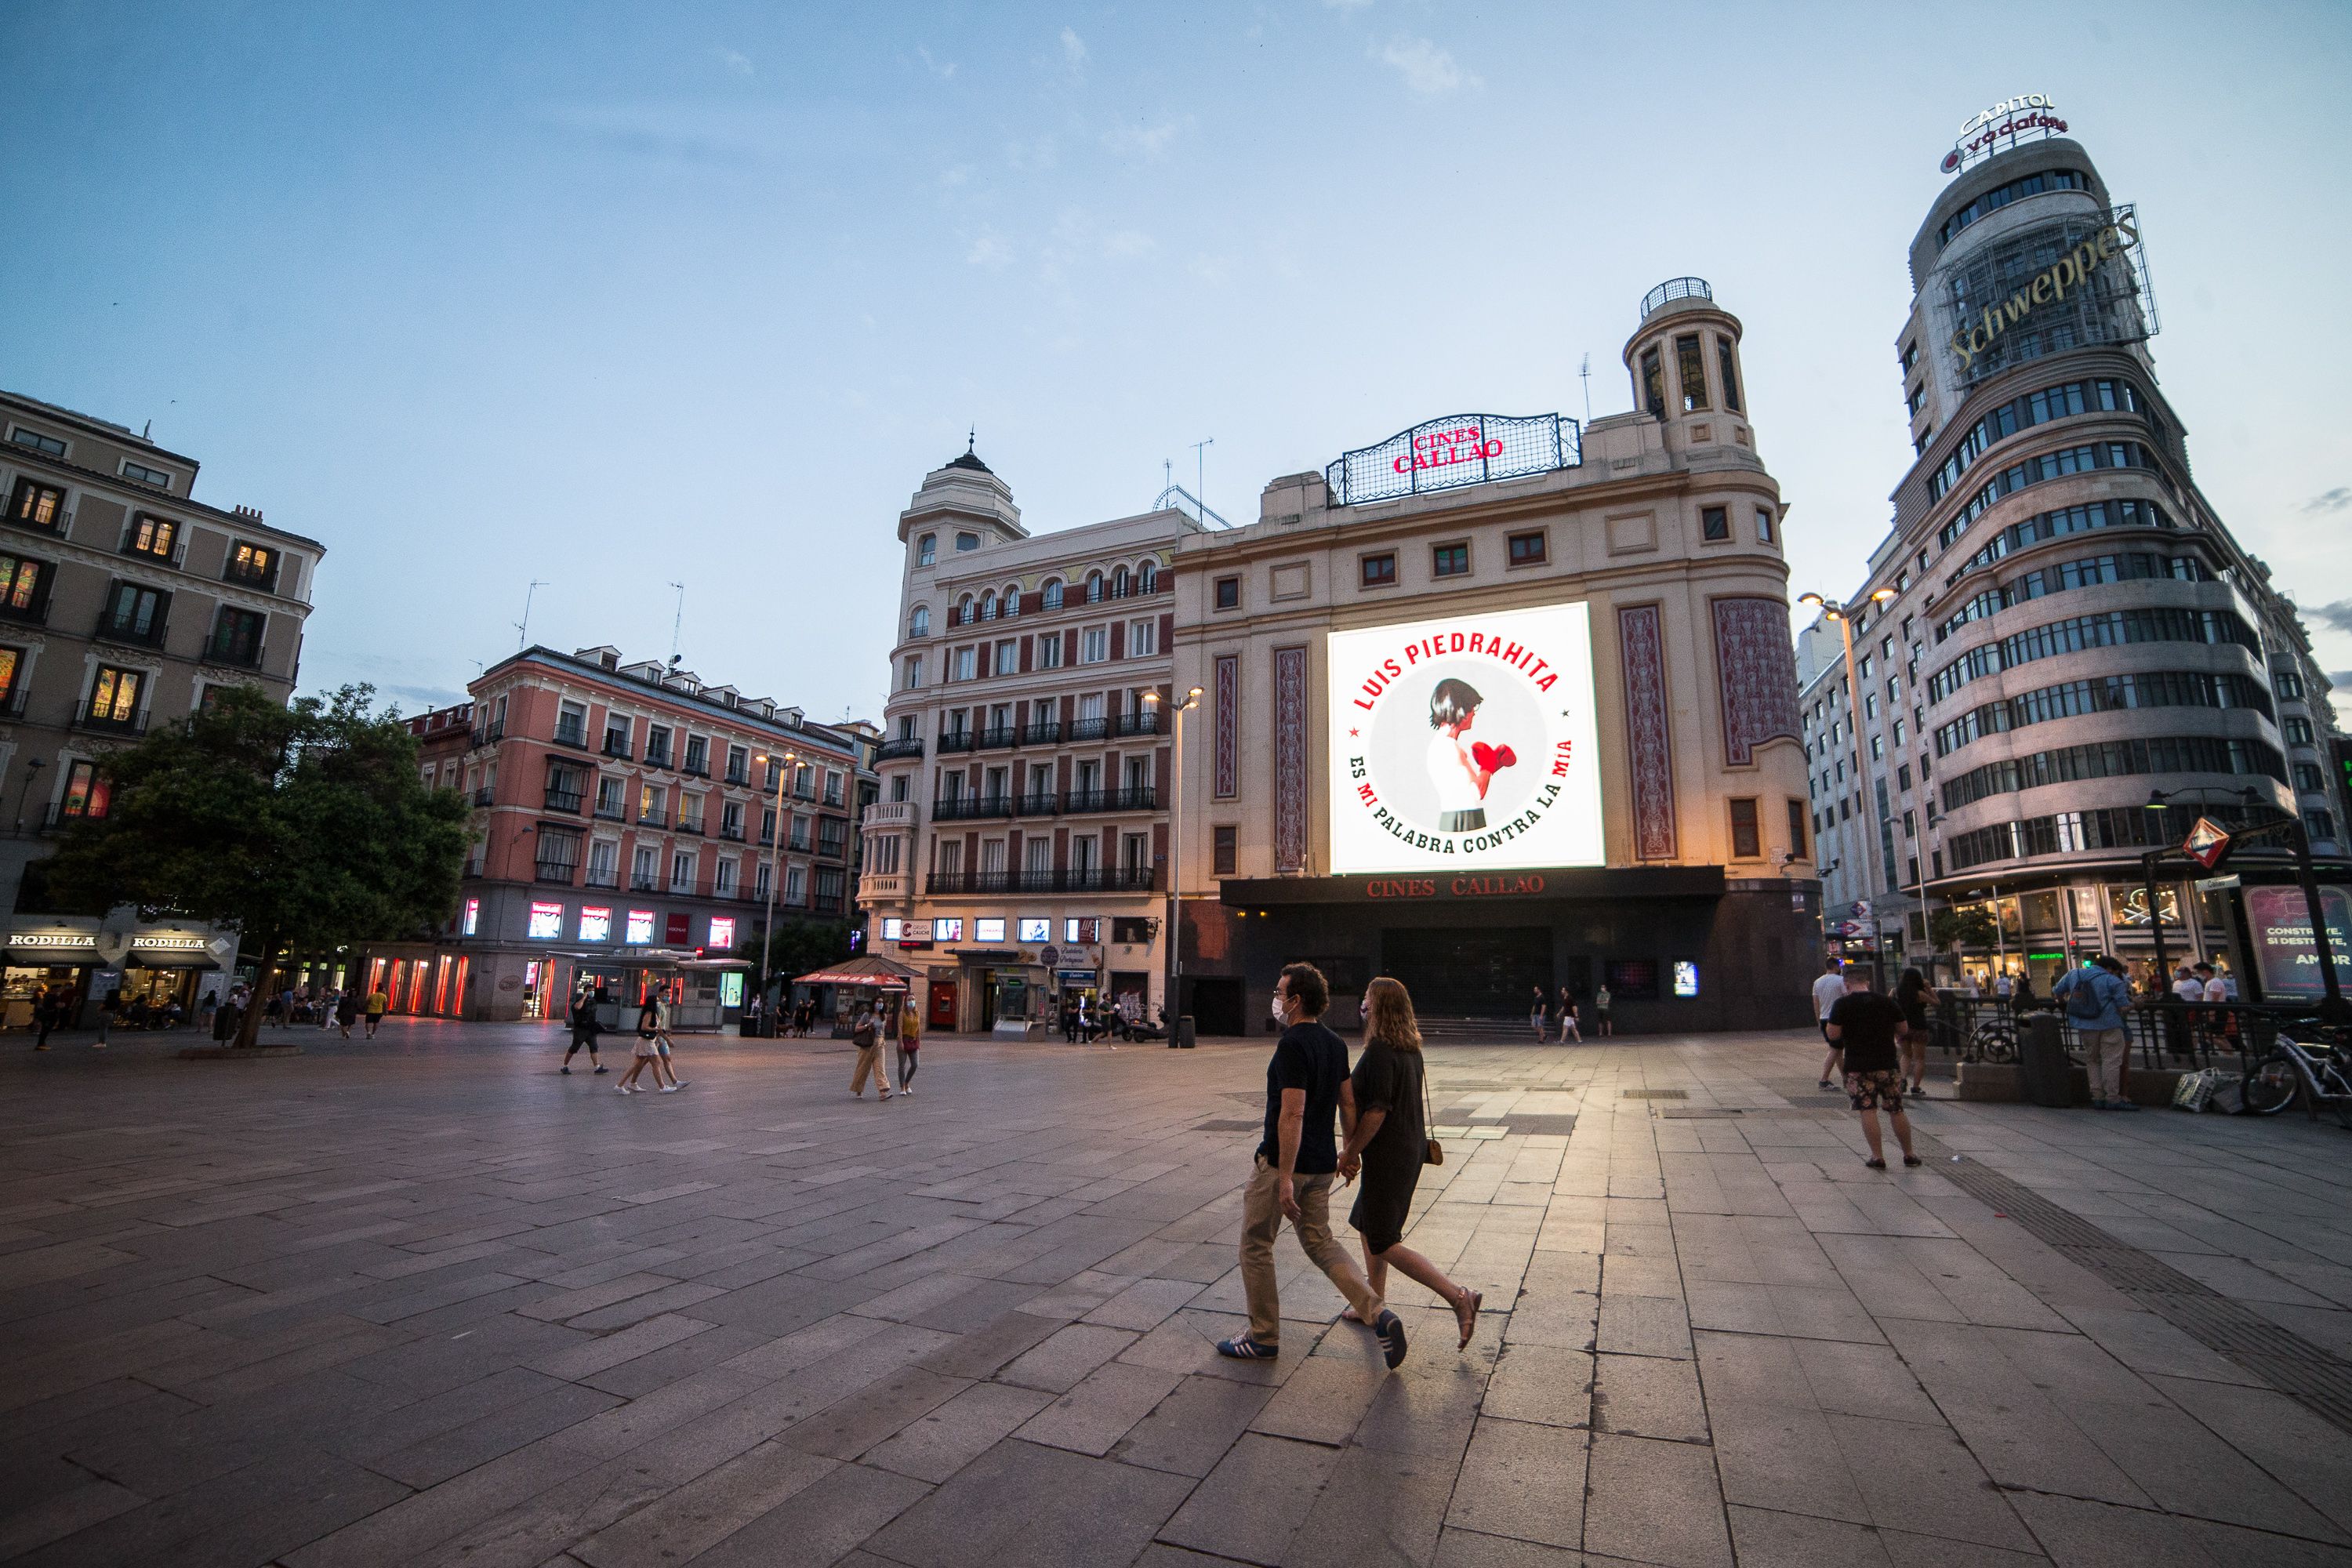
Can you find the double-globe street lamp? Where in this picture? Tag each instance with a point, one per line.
(1171, 1000)
(1873, 874)
(785, 764)
(2333, 1006)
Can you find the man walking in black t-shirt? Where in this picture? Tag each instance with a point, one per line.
(1296, 1162)
(1864, 1027)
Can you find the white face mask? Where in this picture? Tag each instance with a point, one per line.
(1280, 1016)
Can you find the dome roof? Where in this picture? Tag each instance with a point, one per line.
(971, 460)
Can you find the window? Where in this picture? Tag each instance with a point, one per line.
(2319, 823)
(722, 878)
(988, 928)
(133, 614)
(1146, 577)
(1450, 561)
(1747, 836)
(1910, 355)
(1009, 604)
(681, 871)
(1378, 571)
(145, 475)
(1008, 657)
(88, 794)
(1714, 523)
(1653, 384)
(723, 933)
(966, 665)
(1053, 595)
(1763, 525)
(2308, 778)
(966, 542)
(546, 922)
(1142, 639)
(918, 625)
(22, 585)
(1730, 376)
(1093, 645)
(1527, 549)
(927, 550)
(610, 797)
(236, 636)
(2297, 730)
(1224, 852)
(1094, 587)
(2287, 684)
(473, 921)
(1998, 197)
(1049, 651)
(1118, 583)
(1916, 400)
(253, 564)
(1692, 371)
(1229, 593)
(738, 765)
(114, 696)
(37, 505)
(914, 677)
(155, 536)
(1797, 814)
(37, 442)
(698, 755)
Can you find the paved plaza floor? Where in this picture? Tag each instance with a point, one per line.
(423, 1300)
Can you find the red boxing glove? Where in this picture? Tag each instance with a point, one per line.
(1504, 757)
(1483, 755)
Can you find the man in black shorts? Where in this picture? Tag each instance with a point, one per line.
(1864, 1027)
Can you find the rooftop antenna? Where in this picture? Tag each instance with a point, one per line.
(1200, 472)
(677, 622)
(522, 626)
(1584, 374)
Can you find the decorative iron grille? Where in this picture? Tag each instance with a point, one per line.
(2115, 306)
(1445, 454)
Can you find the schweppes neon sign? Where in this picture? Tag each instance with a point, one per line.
(2072, 270)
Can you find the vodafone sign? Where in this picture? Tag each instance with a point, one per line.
(2026, 118)
(1465, 743)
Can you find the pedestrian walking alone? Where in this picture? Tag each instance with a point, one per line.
(1296, 1162)
(347, 1011)
(1829, 989)
(1911, 997)
(1535, 1016)
(1388, 1144)
(910, 1046)
(868, 1038)
(378, 1004)
(2094, 997)
(1866, 1026)
(1569, 1031)
(584, 1029)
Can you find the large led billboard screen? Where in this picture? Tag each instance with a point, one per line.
(1465, 743)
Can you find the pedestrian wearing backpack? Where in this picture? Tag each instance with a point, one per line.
(2094, 997)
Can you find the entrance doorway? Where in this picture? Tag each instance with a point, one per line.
(1470, 973)
(942, 1016)
(1217, 1004)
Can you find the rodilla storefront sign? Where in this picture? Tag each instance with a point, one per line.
(2285, 954)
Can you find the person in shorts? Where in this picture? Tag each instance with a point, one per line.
(647, 1053)
(1829, 989)
(1864, 1027)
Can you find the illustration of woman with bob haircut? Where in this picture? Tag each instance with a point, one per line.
(1459, 770)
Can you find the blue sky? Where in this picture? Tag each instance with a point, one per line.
(617, 297)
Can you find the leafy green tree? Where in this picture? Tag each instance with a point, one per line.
(1973, 925)
(305, 828)
(800, 947)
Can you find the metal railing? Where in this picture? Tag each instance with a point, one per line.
(568, 801)
(1675, 288)
(904, 746)
(1089, 729)
(1043, 733)
(573, 735)
(612, 813)
(971, 807)
(1046, 803)
(690, 825)
(86, 720)
(617, 746)
(557, 872)
(2163, 1033)
(1143, 724)
(1084, 880)
(956, 740)
(999, 737)
(124, 629)
(485, 797)
(1145, 798)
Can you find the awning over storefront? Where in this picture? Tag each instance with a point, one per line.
(880, 972)
(169, 961)
(1478, 887)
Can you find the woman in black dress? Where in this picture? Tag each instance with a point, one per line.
(1388, 1141)
(1911, 996)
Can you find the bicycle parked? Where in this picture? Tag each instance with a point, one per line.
(2315, 1066)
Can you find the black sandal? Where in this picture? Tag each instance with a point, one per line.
(1875, 1164)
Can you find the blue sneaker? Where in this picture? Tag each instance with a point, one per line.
(1241, 1347)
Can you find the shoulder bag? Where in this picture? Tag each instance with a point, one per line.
(1433, 1152)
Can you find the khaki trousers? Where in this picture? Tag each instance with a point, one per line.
(1262, 1220)
(869, 1064)
(2105, 1050)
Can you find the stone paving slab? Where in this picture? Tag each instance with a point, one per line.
(426, 1300)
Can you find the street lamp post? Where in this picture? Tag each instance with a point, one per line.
(1873, 875)
(784, 763)
(1935, 822)
(1172, 998)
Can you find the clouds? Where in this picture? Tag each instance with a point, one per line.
(943, 70)
(1073, 52)
(1148, 142)
(2329, 503)
(1428, 71)
(2337, 616)
(736, 62)
(989, 250)
(681, 133)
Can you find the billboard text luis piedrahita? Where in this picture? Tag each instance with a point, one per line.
(1467, 742)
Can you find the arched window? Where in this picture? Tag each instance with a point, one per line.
(1118, 583)
(1011, 600)
(988, 605)
(1094, 587)
(963, 611)
(1054, 594)
(918, 625)
(927, 550)
(1148, 578)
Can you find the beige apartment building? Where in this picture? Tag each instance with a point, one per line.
(122, 602)
(1498, 704)
(1016, 856)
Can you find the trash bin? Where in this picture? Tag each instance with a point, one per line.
(1180, 1038)
(2041, 1056)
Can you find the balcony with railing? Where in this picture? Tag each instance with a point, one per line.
(105, 724)
(904, 746)
(611, 812)
(731, 831)
(956, 740)
(610, 881)
(655, 818)
(559, 873)
(568, 801)
(644, 884)
(1038, 803)
(1089, 729)
(971, 807)
(1143, 798)
(997, 737)
(1043, 733)
(490, 733)
(131, 628)
(690, 825)
(237, 652)
(486, 795)
(616, 744)
(1145, 723)
(1072, 879)
(656, 757)
(890, 814)
(572, 735)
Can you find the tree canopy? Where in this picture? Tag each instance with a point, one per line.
(304, 827)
